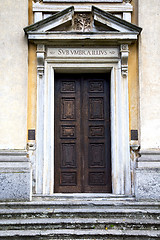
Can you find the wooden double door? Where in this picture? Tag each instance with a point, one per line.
(82, 133)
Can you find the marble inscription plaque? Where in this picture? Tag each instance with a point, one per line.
(111, 52)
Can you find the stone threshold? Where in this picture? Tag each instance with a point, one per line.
(80, 196)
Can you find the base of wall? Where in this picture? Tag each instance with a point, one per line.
(15, 176)
(147, 176)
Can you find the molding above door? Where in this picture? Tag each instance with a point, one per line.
(94, 26)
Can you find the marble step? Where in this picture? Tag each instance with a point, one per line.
(79, 234)
(79, 223)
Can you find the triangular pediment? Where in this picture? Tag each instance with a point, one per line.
(50, 23)
(70, 22)
(113, 22)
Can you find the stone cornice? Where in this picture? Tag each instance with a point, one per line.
(45, 29)
(57, 6)
(13, 156)
(46, 21)
(130, 26)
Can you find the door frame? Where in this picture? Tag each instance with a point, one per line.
(120, 151)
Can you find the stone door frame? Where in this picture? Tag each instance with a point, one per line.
(120, 152)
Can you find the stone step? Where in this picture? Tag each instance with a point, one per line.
(79, 223)
(79, 234)
(83, 218)
(79, 212)
(82, 195)
(80, 204)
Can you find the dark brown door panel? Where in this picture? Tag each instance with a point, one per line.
(82, 133)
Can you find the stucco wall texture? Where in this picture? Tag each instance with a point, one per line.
(149, 73)
(13, 74)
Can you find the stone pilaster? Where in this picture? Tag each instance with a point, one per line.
(40, 117)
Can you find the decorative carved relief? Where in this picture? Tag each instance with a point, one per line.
(96, 155)
(97, 178)
(96, 86)
(68, 109)
(124, 47)
(68, 86)
(68, 179)
(68, 131)
(68, 151)
(96, 109)
(31, 146)
(40, 59)
(83, 22)
(124, 59)
(96, 131)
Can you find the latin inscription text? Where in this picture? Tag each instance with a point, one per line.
(83, 52)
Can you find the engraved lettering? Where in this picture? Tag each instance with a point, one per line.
(83, 52)
(60, 52)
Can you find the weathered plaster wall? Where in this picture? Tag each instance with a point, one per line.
(13, 74)
(133, 77)
(32, 77)
(149, 68)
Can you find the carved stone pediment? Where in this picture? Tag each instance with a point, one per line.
(65, 25)
(82, 22)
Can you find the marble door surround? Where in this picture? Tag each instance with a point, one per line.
(63, 47)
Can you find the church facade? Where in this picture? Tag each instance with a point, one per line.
(80, 99)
